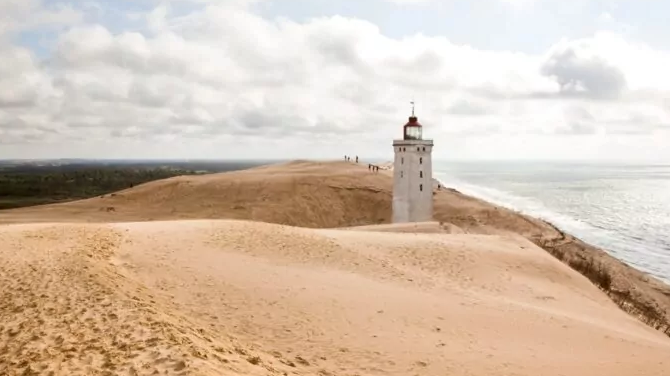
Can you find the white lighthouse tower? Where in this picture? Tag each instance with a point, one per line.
(412, 175)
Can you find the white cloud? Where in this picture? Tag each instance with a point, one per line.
(519, 4)
(410, 2)
(222, 80)
(605, 17)
(19, 15)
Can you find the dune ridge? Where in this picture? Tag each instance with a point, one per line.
(236, 274)
(299, 193)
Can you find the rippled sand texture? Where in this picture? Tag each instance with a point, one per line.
(243, 298)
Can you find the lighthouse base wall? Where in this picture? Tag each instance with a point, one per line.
(412, 181)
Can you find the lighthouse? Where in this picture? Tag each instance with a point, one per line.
(412, 175)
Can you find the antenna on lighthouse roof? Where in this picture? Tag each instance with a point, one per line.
(412, 103)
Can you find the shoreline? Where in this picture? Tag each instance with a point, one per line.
(561, 222)
(555, 225)
(636, 292)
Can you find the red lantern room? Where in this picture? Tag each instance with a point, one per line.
(412, 130)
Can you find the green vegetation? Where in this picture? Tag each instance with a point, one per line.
(30, 184)
(34, 188)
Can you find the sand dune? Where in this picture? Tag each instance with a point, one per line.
(341, 194)
(173, 277)
(235, 297)
(307, 194)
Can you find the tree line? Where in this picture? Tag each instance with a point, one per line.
(19, 188)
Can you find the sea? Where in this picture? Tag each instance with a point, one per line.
(622, 208)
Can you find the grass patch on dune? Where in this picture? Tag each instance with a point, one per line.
(594, 271)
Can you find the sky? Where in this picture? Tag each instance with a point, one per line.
(261, 79)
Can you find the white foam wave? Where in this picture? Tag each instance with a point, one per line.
(615, 243)
(525, 205)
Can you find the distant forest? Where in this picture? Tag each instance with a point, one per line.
(28, 184)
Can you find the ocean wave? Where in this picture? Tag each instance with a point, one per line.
(630, 248)
(524, 205)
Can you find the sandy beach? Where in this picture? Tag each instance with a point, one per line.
(294, 269)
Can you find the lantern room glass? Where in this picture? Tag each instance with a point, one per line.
(413, 132)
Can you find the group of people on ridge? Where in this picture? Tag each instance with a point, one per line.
(371, 167)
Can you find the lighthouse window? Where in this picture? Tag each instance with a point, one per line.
(403, 149)
(424, 149)
(421, 187)
(420, 174)
(401, 173)
(420, 160)
(402, 160)
(418, 148)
